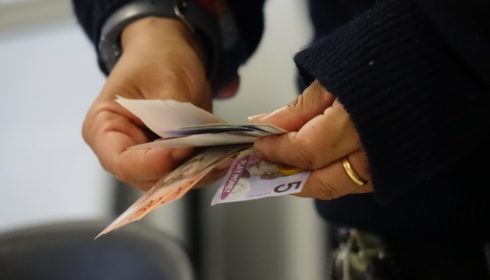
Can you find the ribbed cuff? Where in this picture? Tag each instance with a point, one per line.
(396, 78)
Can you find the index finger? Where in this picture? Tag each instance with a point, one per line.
(322, 140)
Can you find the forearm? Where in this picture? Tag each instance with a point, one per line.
(412, 99)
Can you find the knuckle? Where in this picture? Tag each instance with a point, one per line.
(295, 103)
(110, 125)
(118, 170)
(305, 154)
(316, 93)
(310, 96)
(92, 119)
(323, 189)
(86, 131)
(97, 120)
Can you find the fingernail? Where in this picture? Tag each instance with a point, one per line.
(257, 117)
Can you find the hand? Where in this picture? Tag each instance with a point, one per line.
(320, 135)
(160, 60)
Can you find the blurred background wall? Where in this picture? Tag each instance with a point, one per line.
(49, 77)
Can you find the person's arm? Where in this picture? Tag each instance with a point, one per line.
(159, 61)
(418, 104)
(160, 57)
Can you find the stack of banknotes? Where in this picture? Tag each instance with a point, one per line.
(219, 145)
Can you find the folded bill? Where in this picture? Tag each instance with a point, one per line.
(162, 115)
(240, 129)
(198, 140)
(185, 125)
(175, 184)
(252, 177)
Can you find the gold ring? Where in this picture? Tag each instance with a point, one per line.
(352, 174)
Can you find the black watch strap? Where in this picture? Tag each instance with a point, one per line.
(199, 21)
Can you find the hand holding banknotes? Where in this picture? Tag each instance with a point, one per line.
(321, 138)
(160, 61)
(220, 146)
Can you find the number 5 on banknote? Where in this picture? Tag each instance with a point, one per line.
(282, 188)
(252, 177)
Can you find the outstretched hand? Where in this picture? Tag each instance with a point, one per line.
(160, 60)
(321, 136)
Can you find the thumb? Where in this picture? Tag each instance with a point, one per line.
(312, 102)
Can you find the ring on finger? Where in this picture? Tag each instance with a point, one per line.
(352, 173)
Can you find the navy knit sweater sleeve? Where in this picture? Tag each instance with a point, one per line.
(419, 98)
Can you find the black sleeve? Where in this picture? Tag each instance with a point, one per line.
(465, 26)
(91, 15)
(241, 25)
(418, 97)
(247, 18)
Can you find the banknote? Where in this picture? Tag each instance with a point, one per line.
(198, 140)
(181, 124)
(224, 135)
(174, 185)
(252, 177)
(165, 115)
(218, 144)
(237, 129)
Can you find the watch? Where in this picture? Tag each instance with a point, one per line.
(193, 15)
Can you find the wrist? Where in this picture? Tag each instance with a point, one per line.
(161, 58)
(202, 25)
(160, 33)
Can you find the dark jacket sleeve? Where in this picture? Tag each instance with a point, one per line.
(241, 29)
(418, 96)
(91, 15)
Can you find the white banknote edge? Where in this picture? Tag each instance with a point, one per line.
(161, 115)
(197, 140)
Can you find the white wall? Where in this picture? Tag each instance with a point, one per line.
(47, 80)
